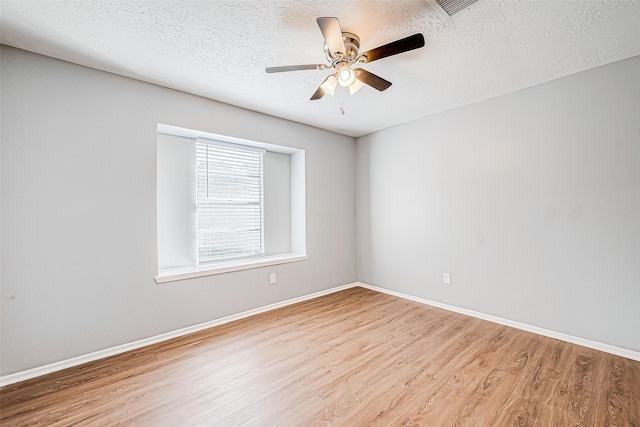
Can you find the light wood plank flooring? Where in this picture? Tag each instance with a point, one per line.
(353, 358)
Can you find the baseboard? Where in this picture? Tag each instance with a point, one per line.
(618, 351)
(112, 351)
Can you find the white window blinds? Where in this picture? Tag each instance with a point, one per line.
(229, 201)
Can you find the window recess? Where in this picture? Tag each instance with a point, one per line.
(226, 204)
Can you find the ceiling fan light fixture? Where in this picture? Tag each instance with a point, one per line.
(346, 76)
(329, 85)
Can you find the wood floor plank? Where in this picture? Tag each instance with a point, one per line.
(356, 357)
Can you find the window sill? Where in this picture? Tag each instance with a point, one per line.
(171, 275)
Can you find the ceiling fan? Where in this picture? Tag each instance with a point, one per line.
(341, 50)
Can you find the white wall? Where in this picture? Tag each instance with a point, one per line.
(78, 229)
(530, 200)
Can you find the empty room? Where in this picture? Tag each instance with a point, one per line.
(339, 213)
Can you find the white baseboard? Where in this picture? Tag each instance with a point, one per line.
(618, 351)
(112, 351)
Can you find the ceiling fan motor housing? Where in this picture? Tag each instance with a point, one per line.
(351, 44)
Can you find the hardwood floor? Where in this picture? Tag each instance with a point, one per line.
(356, 357)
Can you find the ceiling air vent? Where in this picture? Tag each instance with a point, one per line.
(454, 6)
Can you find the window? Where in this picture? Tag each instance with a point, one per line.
(229, 201)
(226, 204)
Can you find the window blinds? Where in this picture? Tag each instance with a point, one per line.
(229, 201)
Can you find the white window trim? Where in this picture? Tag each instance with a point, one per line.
(193, 134)
(172, 275)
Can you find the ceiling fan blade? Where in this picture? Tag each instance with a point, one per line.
(399, 46)
(318, 94)
(332, 34)
(371, 79)
(295, 68)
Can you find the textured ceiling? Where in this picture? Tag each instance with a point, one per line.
(218, 49)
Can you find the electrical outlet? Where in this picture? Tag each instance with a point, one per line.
(446, 278)
(272, 278)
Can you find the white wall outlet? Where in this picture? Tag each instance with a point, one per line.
(272, 278)
(446, 278)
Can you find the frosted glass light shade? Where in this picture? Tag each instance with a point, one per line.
(329, 84)
(355, 86)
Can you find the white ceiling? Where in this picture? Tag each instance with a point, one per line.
(219, 49)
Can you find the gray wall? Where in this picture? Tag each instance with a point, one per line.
(530, 200)
(78, 229)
